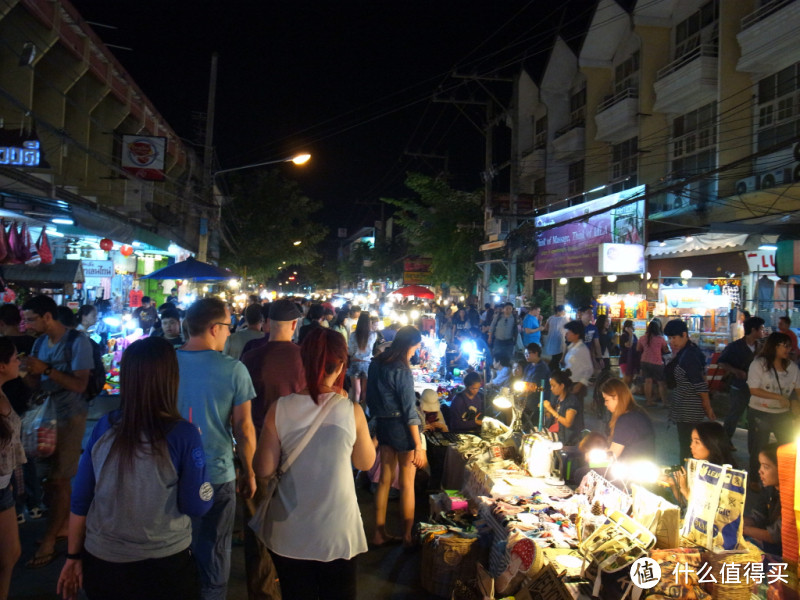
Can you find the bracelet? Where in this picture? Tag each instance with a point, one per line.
(74, 556)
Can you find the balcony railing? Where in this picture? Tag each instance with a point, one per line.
(569, 127)
(763, 12)
(708, 50)
(610, 101)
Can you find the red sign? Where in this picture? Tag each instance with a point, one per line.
(144, 156)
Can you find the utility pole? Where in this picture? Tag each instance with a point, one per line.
(513, 191)
(208, 157)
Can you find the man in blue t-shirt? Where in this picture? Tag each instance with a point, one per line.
(531, 327)
(63, 373)
(213, 388)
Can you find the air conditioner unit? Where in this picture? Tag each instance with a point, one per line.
(748, 184)
(775, 177)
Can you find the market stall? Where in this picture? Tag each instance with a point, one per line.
(513, 528)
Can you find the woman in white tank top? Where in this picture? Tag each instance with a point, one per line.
(314, 528)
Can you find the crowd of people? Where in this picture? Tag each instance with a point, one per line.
(151, 512)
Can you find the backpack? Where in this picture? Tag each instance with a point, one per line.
(97, 375)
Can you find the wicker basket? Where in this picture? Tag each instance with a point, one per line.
(732, 591)
(445, 559)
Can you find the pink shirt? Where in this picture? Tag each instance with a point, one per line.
(651, 352)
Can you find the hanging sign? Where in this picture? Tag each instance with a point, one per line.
(621, 258)
(21, 150)
(98, 268)
(760, 261)
(144, 156)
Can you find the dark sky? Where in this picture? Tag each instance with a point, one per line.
(350, 82)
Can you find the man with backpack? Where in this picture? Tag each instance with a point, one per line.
(60, 366)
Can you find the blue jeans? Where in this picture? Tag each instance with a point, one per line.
(211, 542)
(739, 399)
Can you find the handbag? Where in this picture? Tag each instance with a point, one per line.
(270, 484)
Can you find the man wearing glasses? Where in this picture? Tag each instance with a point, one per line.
(213, 387)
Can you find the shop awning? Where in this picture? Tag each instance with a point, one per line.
(698, 244)
(60, 272)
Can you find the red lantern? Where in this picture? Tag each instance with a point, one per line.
(126, 250)
(106, 244)
(179, 282)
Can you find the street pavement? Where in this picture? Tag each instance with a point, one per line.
(388, 573)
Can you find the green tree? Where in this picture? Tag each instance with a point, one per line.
(264, 218)
(444, 224)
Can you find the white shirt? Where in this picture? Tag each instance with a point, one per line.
(775, 381)
(579, 361)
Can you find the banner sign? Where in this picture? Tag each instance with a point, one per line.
(98, 268)
(760, 261)
(419, 264)
(621, 258)
(144, 156)
(21, 150)
(416, 278)
(694, 298)
(571, 250)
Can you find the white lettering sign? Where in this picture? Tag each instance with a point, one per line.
(98, 268)
(27, 156)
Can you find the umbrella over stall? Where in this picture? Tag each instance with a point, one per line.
(418, 291)
(192, 269)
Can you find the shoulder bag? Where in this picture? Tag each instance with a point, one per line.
(270, 484)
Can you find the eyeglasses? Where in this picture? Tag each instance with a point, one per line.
(227, 325)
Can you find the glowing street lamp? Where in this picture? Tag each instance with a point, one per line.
(298, 159)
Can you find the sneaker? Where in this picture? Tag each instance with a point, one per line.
(20, 518)
(35, 513)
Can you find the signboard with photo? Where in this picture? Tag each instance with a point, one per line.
(144, 156)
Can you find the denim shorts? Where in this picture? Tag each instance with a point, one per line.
(652, 371)
(6, 498)
(394, 432)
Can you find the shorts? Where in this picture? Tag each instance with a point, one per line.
(6, 497)
(652, 371)
(394, 432)
(626, 369)
(69, 438)
(358, 368)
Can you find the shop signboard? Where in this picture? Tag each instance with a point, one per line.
(416, 278)
(621, 258)
(694, 298)
(98, 268)
(144, 156)
(760, 261)
(19, 149)
(571, 249)
(417, 270)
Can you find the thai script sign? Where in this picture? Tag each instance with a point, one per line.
(98, 268)
(21, 150)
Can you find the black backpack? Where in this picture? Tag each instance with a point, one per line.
(97, 375)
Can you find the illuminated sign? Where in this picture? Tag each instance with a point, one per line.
(98, 268)
(621, 258)
(694, 298)
(144, 156)
(571, 249)
(21, 150)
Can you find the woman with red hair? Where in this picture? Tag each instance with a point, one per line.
(314, 529)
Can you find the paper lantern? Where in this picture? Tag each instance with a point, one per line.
(106, 244)
(126, 250)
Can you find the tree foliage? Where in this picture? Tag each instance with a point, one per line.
(444, 224)
(264, 218)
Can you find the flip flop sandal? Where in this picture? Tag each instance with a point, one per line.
(37, 562)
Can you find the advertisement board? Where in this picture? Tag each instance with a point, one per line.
(571, 249)
(98, 268)
(416, 278)
(144, 156)
(621, 258)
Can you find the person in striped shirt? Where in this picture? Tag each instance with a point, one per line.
(686, 377)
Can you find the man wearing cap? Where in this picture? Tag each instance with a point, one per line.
(276, 370)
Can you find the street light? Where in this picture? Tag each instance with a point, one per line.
(298, 159)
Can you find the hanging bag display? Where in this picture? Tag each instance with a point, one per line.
(30, 248)
(43, 247)
(259, 521)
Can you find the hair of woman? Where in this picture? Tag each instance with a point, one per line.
(322, 352)
(627, 323)
(625, 402)
(771, 452)
(716, 441)
(362, 330)
(148, 378)
(563, 377)
(774, 339)
(406, 338)
(601, 323)
(85, 311)
(7, 352)
(653, 328)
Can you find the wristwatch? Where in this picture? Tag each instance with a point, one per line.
(47, 370)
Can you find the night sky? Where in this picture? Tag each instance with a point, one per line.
(350, 82)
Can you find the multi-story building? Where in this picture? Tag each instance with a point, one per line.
(697, 100)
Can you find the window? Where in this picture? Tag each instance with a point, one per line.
(700, 28)
(692, 134)
(540, 133)
(624, 165)
(577, 108)
(575, 178)
(626, 75)
(779, 107)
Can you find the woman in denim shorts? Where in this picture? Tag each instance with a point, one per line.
(391, 401)
(653, 347)
(11, 456)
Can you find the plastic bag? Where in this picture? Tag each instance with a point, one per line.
(39, 427)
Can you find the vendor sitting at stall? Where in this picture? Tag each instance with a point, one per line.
(630, 430)
(502, 373)
(762, 524)
(458, 351)
(431, 410)
(564, 408)
(466, 409)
